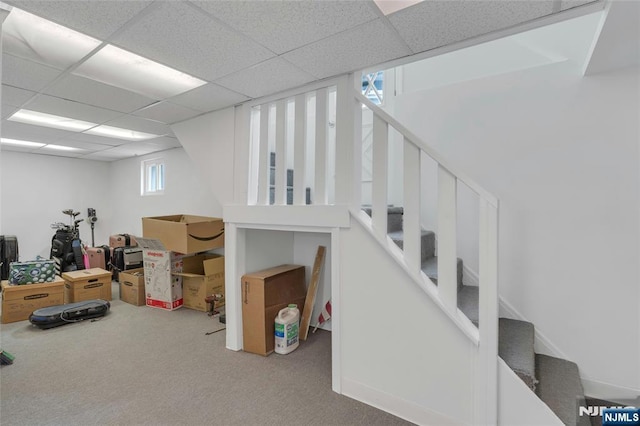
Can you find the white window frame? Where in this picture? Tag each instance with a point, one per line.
(152, 177)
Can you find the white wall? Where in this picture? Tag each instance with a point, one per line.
(399, 350)
(36, 188)
(561, 153)
(208, 140)
(186, 192)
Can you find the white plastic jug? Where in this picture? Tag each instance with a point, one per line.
(286, 329)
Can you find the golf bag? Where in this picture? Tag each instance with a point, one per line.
(66, 247)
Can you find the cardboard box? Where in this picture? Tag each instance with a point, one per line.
(162, 287)
(87, 284)
(185, 233)
(202, 275)
(264, 293)
(132, 287)
(19, 301)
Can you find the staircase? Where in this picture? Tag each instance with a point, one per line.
(555, 381)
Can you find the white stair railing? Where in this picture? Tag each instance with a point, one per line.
(281, 129)
(486, 336)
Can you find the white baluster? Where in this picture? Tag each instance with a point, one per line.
(320, 191)
(300, 149)
(281, 163)
(380, 181)
(447, 258)
(263, 167)
(411, 216)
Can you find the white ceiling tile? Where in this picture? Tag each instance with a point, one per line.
(98, 18)
(209, 97)
(129, 150)
(28, 132)
(167, 112)
(83, 145)
(94, 93)
(568, 4)
(14, 96)
(369, 44)
(139, 124)
(15, 148)
(437, 23)
(306, 21)
(181, 36)
(266, 78)
(8, 110)
(71, 109)
(59, 153)
(25, 74)
(99, 140)
(104, 156)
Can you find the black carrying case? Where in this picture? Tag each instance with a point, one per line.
(54, 316)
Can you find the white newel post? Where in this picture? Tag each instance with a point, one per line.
(487, 390)
(345, 180)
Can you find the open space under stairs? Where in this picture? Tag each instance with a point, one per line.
(556, 381)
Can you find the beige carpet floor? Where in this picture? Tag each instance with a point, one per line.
(146, 366)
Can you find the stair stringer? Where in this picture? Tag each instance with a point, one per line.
(400, 351)
(518, 405)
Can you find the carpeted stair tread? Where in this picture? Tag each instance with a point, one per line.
(430, 268)
(427, 242)
(394, 217)
(560, 388)
(515, 347)
(468, 302)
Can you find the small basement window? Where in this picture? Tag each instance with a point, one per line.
(152, 177)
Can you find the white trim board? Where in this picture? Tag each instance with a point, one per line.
(392, 404)
(469, 276)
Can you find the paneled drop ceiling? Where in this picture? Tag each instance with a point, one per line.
(240, 49)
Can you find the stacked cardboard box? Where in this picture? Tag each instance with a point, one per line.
(202, 276)
(19, 301)
(264, 293)
(87, 284)
(167, 242)
(132, 286)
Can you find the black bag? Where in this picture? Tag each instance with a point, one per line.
(54, 316)
(9, 254)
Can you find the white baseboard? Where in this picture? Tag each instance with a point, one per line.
(543, 345)
(404, 409)
(469, 277)
(609, 392)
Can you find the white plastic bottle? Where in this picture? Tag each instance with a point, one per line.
(287, 329)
